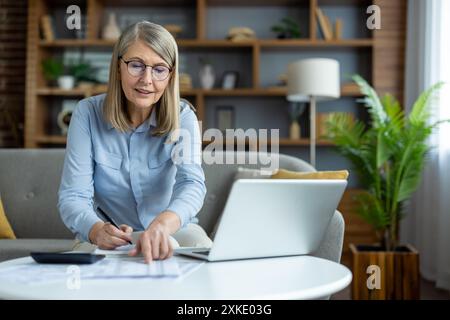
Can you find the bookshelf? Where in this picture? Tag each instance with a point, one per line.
(377, 55)
(200, 39)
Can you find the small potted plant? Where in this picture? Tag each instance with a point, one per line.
(287, 29)
(84, 74)
(52, 69)
(388, 156)
(57, 74)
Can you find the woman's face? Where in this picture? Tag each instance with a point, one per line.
(142, 91)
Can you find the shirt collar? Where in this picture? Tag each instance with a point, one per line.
(145, 126)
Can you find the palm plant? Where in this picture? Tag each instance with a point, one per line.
(388, 155)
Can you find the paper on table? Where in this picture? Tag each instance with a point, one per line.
(123, 250)
(132, 268)
(34, 273)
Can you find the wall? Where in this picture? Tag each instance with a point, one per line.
(13, 26)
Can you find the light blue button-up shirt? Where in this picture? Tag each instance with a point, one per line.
(131, 175)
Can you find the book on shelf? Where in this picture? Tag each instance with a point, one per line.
(351, 88)
(324, 24)
(329, 26)
(338, 29)
(48, 31)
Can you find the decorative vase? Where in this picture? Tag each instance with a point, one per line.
(207, 76)
(111, 30)
(66, 82)
(294, 130)
(63, 118)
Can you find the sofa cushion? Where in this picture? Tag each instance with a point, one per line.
(11, 249)
(245, 173)
(29, 187)
(6, 231)
(333, 175)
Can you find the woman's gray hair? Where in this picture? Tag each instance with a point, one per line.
(167, 109)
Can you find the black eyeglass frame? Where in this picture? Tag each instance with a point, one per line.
(146, 66)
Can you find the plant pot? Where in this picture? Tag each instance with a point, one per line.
(66, 82)
(385, 275)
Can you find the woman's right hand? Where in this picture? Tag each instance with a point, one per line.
(108, 237)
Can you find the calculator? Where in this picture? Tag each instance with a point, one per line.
(66, 257)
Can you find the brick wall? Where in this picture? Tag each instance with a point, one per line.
(13, 26)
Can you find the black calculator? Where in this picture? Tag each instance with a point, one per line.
(66, 257)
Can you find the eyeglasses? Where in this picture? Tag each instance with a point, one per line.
(137, 69)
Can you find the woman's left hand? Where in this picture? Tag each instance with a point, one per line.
(154, 243)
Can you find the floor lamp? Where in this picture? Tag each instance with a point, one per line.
(313, 80)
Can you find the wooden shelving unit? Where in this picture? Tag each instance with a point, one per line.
(38, 49)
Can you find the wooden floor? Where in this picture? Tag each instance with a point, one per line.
(427, 292)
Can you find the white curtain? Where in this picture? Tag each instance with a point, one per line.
(427, 221)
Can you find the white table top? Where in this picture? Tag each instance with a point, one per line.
(298, 277)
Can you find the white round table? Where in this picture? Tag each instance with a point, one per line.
(295, 277)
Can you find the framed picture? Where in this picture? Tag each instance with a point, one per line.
(230, 79)
(322, 118)
(225, 118)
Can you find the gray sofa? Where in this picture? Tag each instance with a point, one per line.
(29, 181)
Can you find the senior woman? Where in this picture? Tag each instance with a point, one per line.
(120, 153)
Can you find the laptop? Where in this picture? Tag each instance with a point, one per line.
(273, 218)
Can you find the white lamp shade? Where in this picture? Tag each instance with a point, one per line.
(318, 77)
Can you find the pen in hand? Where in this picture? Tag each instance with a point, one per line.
(110, 220)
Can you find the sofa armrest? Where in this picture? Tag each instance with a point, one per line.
(331, 245)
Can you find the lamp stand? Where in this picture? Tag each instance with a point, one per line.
(312, 135)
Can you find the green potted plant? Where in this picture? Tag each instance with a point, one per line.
(83, 73)
(58, 74)
(388, 156)
(52, 69)
(288, 28)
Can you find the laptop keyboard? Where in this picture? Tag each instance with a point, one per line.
(202, 252)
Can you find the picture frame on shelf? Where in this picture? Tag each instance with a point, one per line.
(322, 118)
(225, 118)
(230, 80)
